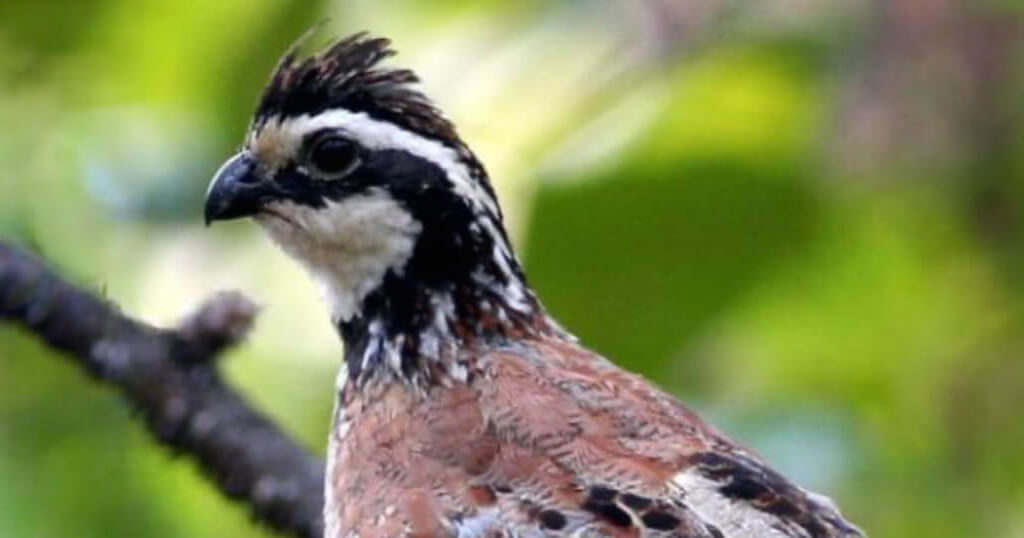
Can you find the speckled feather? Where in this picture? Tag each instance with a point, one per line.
(550, 440)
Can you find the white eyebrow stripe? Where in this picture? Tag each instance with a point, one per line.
(381, 135)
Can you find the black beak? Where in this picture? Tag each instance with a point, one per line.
(235, 191)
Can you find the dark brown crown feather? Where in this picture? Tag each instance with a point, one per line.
(348, 75)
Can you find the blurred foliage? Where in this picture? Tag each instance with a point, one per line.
(806, 219)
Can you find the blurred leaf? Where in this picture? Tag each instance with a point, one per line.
(638, 262)
(640, 257)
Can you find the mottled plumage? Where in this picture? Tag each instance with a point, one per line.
(463, 409)
(549, 439)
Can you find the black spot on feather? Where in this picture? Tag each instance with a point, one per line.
(609, 512)
(636, 502)
(745, 479)
(660, 521)
(552, 519)
(601, 494)
(744, 487)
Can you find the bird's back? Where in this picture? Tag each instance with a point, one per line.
(548, 439)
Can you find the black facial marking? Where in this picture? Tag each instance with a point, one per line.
(451, 257)
(448, 249)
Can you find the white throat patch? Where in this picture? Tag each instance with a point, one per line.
(347, 246)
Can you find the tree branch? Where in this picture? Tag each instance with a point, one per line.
(171, 377)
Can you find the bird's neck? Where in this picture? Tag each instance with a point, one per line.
(425, 323)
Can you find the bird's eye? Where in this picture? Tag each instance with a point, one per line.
(333, 156)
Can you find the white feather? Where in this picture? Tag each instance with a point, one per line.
(736, 519)
(479, 525)
(347, 246)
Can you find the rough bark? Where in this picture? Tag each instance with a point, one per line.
(171, 377)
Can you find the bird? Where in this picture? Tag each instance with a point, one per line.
(463, 409)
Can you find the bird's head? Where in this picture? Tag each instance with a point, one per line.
(357, 175)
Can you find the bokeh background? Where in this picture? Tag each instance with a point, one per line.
(805, 218)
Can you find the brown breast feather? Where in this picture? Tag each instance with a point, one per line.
(548, 440)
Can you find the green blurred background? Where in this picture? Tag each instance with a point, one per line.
(805, 218)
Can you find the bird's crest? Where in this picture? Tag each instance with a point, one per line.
(347, 75)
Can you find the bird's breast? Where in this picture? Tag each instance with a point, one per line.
(402, 463)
